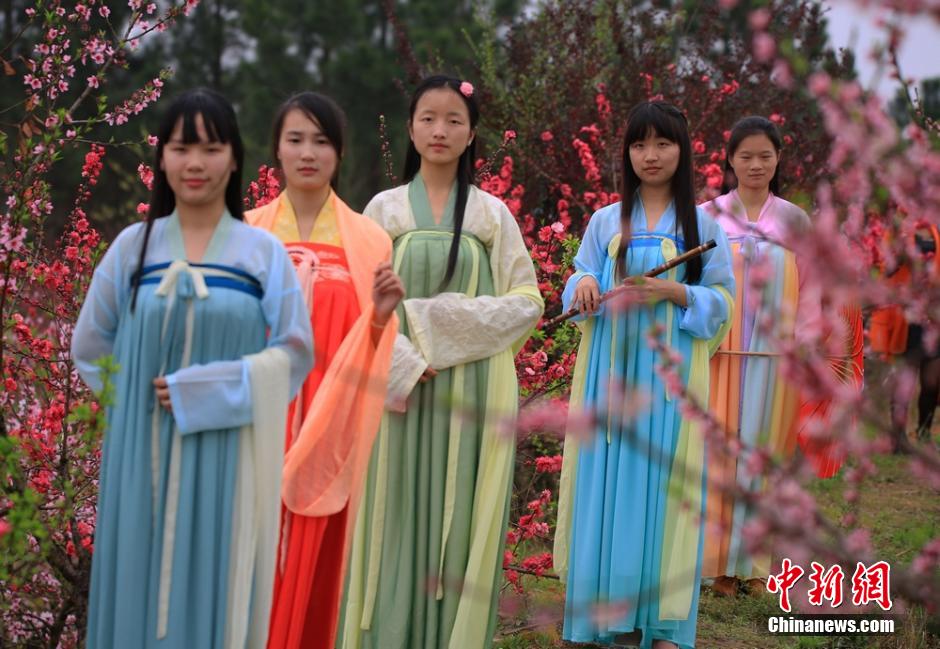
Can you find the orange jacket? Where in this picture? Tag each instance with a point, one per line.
(888, 327)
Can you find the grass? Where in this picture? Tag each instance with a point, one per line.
(902, 514)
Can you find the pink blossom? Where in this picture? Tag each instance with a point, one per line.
(819, 83)
(759, 19)
(781, 74)
(466, 89)
(928, 559)
(764, 46)
(145, 173)
(858, 542)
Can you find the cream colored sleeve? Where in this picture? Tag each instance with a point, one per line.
(451, 328)
(407, 367)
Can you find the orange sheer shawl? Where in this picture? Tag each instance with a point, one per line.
(326, 465)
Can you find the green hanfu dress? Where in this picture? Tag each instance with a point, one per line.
(424, 566)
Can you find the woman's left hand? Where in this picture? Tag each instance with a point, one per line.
(651, 290)
(163, 393)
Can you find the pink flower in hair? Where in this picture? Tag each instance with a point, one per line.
(466, 89)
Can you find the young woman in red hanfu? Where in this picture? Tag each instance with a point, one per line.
(343, 262)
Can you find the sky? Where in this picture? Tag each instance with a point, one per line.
(850, 26)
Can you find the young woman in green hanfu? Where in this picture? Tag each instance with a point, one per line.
(427, 552)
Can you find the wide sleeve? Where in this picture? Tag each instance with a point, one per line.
(452, 328)
(96, 328)
(218, 395)
(588, 262)
(407, 367)
(809, 303)
(709, 303)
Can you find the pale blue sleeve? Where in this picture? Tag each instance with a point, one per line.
(218, 395)
(707, 309)
(93, 336)
(590, 260)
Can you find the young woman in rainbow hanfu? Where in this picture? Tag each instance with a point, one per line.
(343, 263)
(629, 536)
(749, 394)
(427, 556)
(204, 317)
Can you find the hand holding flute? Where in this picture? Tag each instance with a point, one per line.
(587, 297)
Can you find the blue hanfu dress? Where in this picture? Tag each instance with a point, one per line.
(628, 540)
(164, 531)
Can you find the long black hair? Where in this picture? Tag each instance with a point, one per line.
(320, 109)
(746, 127)
(464, 163)
(221, 126)
(667, 121)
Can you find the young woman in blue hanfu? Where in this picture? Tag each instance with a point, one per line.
(204, 317)
(629, 535)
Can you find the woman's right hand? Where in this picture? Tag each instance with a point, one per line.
(587, 295)
(387, 292)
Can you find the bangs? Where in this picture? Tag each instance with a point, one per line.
(442, 81)
(219, 125)
(322, 111)
(658, 119)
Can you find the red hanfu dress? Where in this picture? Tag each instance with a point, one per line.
(312, 551)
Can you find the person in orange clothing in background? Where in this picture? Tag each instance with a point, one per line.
(891, 334)
(343, 263)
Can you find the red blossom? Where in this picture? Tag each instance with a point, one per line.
(92, 167)
(547, 464)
